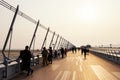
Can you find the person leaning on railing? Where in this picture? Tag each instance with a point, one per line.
(25, 56)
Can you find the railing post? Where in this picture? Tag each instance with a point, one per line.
(67, 45)
(59, 42)
(38, 59)
(52, 39)
(34, 34)
(55, 42)
(45, 39)
(63, 43)
(33, 38)
(10, 30)
(19, 66)
(6, 41)
(6, 70)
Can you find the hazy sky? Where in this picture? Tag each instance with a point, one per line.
(95, 22)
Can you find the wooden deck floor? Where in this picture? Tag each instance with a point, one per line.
(75, 67)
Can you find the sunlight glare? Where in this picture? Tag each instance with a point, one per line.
(87, 13)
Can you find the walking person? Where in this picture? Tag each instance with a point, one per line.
(82, 50)
(65, 51)
(62, 52)
(85, 50)
(73, 50)
(50, 55)
(55, 54)
(25, 56)
(44, 56)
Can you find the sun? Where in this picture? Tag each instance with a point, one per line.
(87, 13)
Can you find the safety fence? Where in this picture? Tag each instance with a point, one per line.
(112, 54)
(17, 30)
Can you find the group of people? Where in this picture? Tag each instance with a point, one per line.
(49, 54)
(83, 49)
(74, 49)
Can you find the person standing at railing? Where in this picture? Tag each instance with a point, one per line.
(50, 55)
(26, 56)
(45, 56)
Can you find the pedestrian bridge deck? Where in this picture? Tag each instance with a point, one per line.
(75, 67)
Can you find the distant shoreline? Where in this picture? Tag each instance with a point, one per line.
(14, 50)
(11, 50)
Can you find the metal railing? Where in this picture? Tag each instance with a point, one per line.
(112, 54)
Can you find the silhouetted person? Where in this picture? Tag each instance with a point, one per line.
(62, 52)
(82, 50)
(85, 50)
(50, 55)
(65, 52)
(55, 54)
(73, 49)
(44, 56)
(26, 56)
(78, 49)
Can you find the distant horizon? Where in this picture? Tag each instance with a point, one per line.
(100, 46)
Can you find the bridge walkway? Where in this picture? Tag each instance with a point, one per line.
(75, 67)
